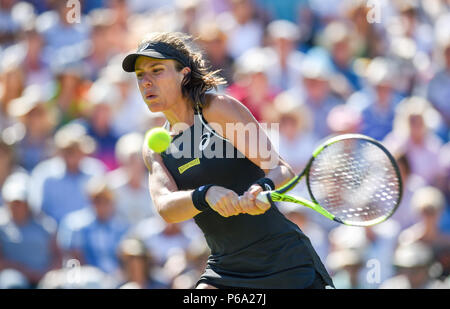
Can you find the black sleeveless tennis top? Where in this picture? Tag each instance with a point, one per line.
(264, 251)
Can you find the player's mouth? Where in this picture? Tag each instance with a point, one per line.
(149, 97)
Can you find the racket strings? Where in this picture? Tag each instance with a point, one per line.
(355, 180)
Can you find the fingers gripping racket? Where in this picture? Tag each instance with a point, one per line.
(351, 179)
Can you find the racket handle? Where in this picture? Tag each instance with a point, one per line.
(262, 197)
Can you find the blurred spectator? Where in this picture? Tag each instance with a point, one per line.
(296, 139)
(343, 119)
(444, 185)
(12, 83)
(27, 243)
(70, 87)
(162, 238)
(97, 241)
(128, 112)
(413, 135)
(339, 39)
(429, 202)
(7, 164)
(78, 277)
(189, 13)
(35, 145)
(288, 10)
(213, 41)
(374, 247)
(439, 90)
(370, 40)
(59, 30)
(317, 93)
(37, 71)
(65, 175)
(405, 214)
(243, 29)
(378, 115)
(347, 265)
(103, 98)
(413, 261)
(252, 86)
(100, 50)
(286, 61)
(130, 181)
(137, 266)
(8, 26)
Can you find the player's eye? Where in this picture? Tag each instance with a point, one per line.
(140, 75)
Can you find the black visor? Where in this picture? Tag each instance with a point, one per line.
(158, 50)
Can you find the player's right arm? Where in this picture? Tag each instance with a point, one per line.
(176, 205)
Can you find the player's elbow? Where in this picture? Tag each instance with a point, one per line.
(166, 213)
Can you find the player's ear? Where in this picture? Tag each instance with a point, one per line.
(185, 71)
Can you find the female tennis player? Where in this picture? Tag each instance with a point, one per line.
(252, 244)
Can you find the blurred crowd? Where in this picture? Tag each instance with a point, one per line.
(75, 209)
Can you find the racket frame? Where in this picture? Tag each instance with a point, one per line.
(279, 194)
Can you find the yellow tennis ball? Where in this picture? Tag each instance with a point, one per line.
(158, 139)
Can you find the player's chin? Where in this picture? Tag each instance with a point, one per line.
(155, 107)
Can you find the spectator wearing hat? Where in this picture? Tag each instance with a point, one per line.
(66, 174)
(429, 202)
(285, 69)
(27, 242)
(340, 40)
(102, 97)
(137, 266)
(317, 93)
(251, 86)
(35, 144)
(96, 243)
(213, 41)
(375, 244)
(130, 181)
(296, 140)
(413, 134)
(37, 70)
(382, 99)
(413, 262)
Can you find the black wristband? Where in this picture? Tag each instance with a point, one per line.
(265, 183)
(199, 197)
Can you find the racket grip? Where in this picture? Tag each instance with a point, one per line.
(262, 197)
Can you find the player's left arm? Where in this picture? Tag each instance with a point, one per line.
(231, 119)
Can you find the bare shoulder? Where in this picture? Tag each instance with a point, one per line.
(224, 108)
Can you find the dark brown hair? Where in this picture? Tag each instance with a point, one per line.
(200, 79)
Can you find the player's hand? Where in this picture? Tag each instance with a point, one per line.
(223, 201)
(250, 204)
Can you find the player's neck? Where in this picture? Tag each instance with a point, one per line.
(180, 113)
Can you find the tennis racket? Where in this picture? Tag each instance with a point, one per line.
(351, 179)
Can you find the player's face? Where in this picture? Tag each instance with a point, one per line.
(159, 83)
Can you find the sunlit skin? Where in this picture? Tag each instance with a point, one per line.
(160, 86)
